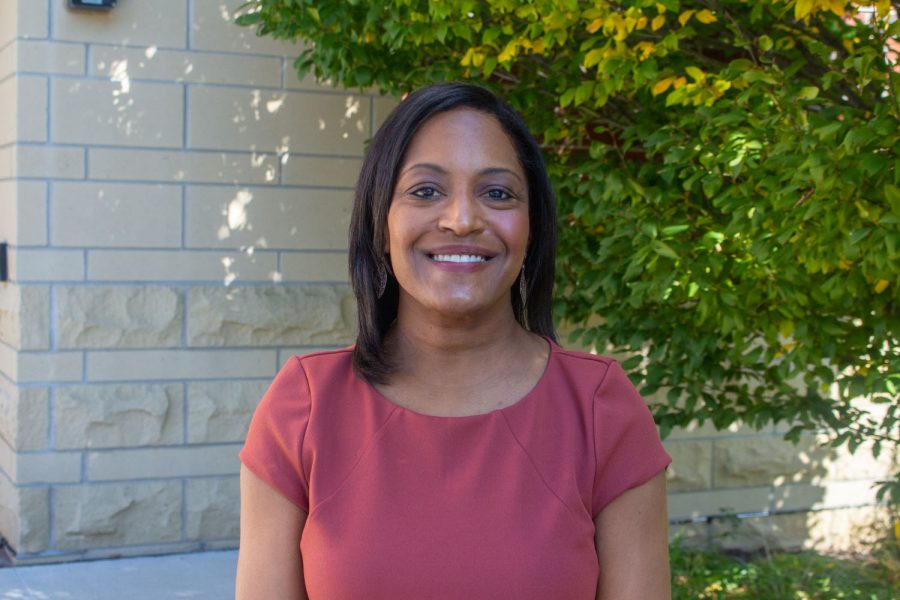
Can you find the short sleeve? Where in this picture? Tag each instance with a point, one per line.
(273, 449)
(626, 443)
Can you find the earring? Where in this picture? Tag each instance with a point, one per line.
(523, 286)
(380, 280)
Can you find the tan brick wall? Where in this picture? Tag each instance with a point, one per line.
(176, 206)
(176, 202)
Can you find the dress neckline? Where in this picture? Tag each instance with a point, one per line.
(529, 396)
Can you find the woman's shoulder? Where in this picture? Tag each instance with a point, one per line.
(581, 364)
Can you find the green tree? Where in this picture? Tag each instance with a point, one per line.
(727, 172)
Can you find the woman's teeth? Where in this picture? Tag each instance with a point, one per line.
(458, 258)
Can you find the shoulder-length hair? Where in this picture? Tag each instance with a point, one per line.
(375, 189)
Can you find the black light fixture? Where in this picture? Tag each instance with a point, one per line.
(91, 4)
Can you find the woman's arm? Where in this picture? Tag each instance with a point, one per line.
(633, 544)
(269, 564)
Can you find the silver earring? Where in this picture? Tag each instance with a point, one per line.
(380, 280)
(523, 295)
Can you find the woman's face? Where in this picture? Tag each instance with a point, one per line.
(457, 227)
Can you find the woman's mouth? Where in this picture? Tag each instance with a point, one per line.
(458, 258)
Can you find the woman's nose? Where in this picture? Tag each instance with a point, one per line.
(461, 214)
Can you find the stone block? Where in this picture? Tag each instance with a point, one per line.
(49, 367)
(697, 505)
(53, 58)
(315, 266)
(213, 28)
(190, 67)
(7, 159)
(24, 316)
(28, 125)
(824, 494)
(136, 365)
(181, 265)
(9, 363)
(49, 162)
(48, 467)
(24, 517)
(381, 108)
(23, 205)
(45, 264)
(34, 520)
(691, 467)
(177, 166)
(118, 317)
(765, 460)
(832, 531)
(23, 416)
(267, 218)
(213, 509)
(119, 112)
(271, 315)
(689, 535)
(152, 463)
(118, 514)
(162, 23)
(111, 215)
(220, 411)
(320, 171)
(106, 416)
(841, 465)
(31, 96)
(224, 118)
(33, 18)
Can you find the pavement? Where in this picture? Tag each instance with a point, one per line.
(200, 575)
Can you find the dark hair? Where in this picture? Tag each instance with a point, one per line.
(375, 188)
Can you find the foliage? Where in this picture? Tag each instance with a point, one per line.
(727, 174)
(783, 576)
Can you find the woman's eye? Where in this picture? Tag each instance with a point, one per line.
(425, 192)
(498, 194)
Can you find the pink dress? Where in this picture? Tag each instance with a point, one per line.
(403, 505)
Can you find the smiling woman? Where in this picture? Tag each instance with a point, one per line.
(455, 451)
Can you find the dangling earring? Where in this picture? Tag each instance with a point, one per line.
(523, 286)
(380, 280)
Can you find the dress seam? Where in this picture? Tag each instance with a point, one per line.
(352, 470)
(537, 471)
(594, 437)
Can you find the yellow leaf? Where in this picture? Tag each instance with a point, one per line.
(658, 21)
(641, 23)
(593, 57)
(508, 52)
(786, 329)
(595, 25)
(538, 46)
(881, 285)
(845, 264)
(897, 530)
(837, 7)
(802, 9)
(706, 17)
(645, 49)
(883, 7)
(660, 8)
(467, 58)
(684, 17)
(695, 73)
(680, 82)
(662, 85)
(478, 59)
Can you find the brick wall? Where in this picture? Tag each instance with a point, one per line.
(176, 203)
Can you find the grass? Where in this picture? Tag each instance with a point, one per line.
(707, 575)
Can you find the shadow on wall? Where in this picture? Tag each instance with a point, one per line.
(749, 491)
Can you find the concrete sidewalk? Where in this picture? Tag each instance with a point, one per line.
(201, 575)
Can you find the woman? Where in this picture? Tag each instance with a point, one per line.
(455, 451)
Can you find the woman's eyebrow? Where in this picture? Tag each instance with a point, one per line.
(443, 171)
